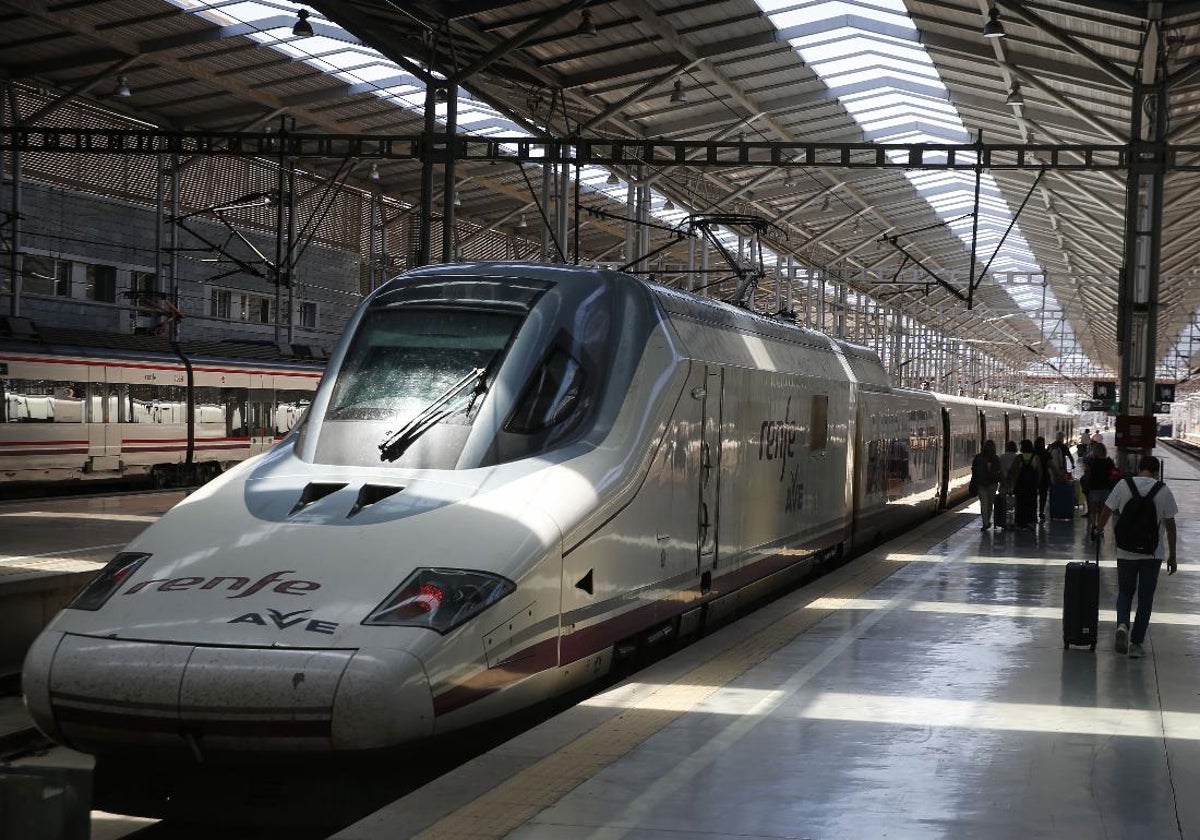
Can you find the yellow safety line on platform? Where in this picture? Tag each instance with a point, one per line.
(517, 800)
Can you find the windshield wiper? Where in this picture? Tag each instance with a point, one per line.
(395, 444)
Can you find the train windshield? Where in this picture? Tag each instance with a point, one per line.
(403, 360)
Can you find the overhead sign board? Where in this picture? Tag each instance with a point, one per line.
(1164, 393)
(1105, 390)
(1093, 405)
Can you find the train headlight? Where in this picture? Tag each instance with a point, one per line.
(119, 569)
(440, 599)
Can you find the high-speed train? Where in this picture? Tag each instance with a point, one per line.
(77, 406)
(510, 476)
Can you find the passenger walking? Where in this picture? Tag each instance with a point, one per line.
(1097, 482)
(1146, 511)
(1043, 458)
(986, 475)
(1060, 457)
(1004, 491)
(1025, 478)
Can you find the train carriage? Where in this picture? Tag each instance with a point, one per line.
(83, 411)
(512, 476)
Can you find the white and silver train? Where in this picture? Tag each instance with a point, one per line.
(510, 476)
(75, 408)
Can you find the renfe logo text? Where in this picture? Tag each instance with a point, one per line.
(231, 583)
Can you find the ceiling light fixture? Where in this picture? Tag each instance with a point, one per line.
(302, 29)
(457, 200)
(825, 204)
(374, 176)
(993, 28)
(122, 90)
(668, 206)
(679, 95)
(789, 180)
(521, 223)
(612, 180)
(1015, 97)
(586, 29)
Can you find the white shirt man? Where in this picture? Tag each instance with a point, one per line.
(1138, 573)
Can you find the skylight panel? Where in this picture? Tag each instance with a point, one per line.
(862, 51)
(845, 43)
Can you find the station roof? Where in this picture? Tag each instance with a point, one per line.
(803, 72)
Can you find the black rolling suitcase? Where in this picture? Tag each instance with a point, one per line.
(1081, 602)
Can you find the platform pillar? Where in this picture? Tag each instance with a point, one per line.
(1137, 307)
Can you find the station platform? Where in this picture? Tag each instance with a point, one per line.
(921, 691)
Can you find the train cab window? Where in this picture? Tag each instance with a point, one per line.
(818, 436)
(551, 395)
(404, 359)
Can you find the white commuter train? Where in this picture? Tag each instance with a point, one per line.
(79, 406)
(511, 475)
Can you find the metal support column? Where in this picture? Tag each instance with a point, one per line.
(1137, 307)
(14, 300)
(424, 244)
(173, 248)
(449, 174)
(564, 207)
(545, 214)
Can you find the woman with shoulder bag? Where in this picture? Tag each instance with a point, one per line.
(1097, 482)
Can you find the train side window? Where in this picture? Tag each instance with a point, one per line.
(139, 403)
(70, 401)
(290, 406)
(819, 421)
(210, 408)
(551, 395)
(44, 401)
(236, 418)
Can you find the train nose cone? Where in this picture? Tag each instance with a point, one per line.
(383, 700)
(96, 694)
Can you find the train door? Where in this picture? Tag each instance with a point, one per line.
(96, 414)
(260, 416)
(711, 395)
(947, 450)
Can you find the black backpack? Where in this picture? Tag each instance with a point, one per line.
(1027, 478)
(1137, 526)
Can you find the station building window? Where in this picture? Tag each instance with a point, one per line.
(45, 276)
(142, 284)
(100, 283)
(240, 306)
(256, 309)
(308, 314)
(221, 303)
